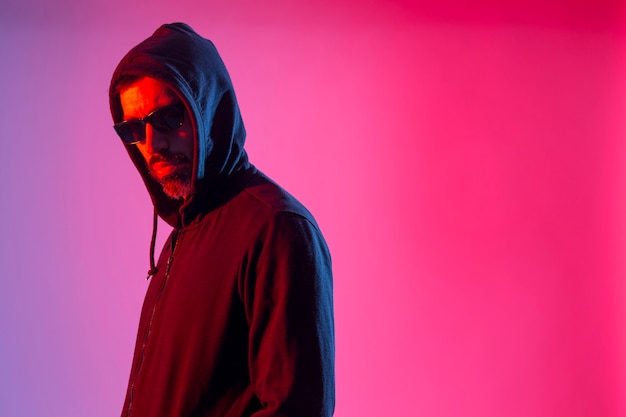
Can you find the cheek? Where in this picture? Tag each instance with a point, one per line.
(143, 150)
(188, 148)
(187, 140)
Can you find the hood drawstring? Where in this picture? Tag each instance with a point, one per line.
(153, 269)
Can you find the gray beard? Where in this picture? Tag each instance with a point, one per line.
(176, 188)
(176, 185)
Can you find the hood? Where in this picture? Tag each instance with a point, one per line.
(189, 63)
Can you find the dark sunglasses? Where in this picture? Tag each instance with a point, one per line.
(165, 119)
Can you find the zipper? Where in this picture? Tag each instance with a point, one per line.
(174, 245)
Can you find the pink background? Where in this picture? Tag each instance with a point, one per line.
(466, 165)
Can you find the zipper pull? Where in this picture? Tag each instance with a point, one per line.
(173, 250)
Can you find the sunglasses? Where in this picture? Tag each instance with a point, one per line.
(165, 119)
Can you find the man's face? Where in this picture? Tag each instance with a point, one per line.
(168, 153)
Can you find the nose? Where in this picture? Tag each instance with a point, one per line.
(156, 142)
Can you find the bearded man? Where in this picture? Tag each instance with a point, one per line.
(238, 315)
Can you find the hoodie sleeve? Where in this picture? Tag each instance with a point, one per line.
(290, 310)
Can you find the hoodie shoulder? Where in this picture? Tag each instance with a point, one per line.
(276, 199)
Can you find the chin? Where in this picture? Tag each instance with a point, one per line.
(176, 185)
(176, 188)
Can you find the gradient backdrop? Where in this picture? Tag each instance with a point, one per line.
(466, 164)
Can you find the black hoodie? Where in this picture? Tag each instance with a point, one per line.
(238, 317)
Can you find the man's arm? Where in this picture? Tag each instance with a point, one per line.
(289, 304)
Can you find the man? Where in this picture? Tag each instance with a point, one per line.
(238, 317)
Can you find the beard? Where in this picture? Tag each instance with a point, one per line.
(176, 184)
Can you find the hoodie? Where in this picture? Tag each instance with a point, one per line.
(238, 316)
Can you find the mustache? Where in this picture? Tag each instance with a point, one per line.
(175, 157)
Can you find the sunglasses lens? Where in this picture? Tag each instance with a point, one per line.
(131, 131)
(167, 118)
(164, 119)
